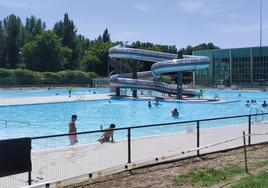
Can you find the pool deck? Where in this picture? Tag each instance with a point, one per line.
(51, 99)
(73, 98)
(66, 162)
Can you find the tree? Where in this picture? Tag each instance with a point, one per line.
(45, 53)
(96, 58)
(2, 46)
(66, 30)
(189, 49)
(12, 25)
(33, 27)
(106, 36)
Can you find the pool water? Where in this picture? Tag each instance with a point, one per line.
(53, 118)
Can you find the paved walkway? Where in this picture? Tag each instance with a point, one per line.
(50, 99)
(82, 159)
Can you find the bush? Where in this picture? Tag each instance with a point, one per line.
(27, 77)
(5, 73)
(51, 78)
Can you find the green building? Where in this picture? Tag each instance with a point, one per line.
(237, 66)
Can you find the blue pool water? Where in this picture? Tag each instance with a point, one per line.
(47, 119)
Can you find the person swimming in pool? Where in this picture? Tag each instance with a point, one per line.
(247, 104)
(157, 103)
(175, 112)
(149, 104)
(264, 104)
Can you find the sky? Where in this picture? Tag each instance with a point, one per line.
(226, 23)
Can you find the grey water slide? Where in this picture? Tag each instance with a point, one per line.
(164, 63)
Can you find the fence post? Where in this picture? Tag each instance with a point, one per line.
(249, 130)
(198, 136)
(29, 178)
(245, 152)
(129, 144)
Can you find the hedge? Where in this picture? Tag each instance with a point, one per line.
(28, 77)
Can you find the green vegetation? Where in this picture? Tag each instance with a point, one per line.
(208, 176)
(262, 164)
(32, 46)
(254, 181)
(27, 77)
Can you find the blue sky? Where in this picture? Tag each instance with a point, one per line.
(227, 23)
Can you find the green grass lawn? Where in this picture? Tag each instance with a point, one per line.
(208, 176)
(254, 181)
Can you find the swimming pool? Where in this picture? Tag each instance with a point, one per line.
(53, 118)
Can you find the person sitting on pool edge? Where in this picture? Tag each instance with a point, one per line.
(175, 112)
(264, 104)
(72, 129)
(108, 135)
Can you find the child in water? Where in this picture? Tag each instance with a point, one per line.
(175, 112)
(72, 129)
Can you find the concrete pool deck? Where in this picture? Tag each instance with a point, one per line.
(51, 99)
(88, 97)
(66, 162)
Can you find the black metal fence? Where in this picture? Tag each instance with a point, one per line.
(54, 158)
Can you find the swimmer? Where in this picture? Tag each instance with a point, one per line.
(94, 92)
(157, 103)
(247, 104)
(175, 112)
(201, 93)
(110, 102)
(264, 104)
(57, 94)
(149, 104)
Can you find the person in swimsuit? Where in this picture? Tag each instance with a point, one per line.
(108, 135)
(72, 129)
(175, 112)
(264, 104)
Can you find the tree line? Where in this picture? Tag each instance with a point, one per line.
(32, 46)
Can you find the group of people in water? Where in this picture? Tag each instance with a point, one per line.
(254, 102)
(157, 103)
(107, 136)
(174, 112)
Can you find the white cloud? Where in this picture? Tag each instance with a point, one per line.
(142, 8)
(200, 6)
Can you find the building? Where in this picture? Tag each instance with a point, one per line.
(237, 66)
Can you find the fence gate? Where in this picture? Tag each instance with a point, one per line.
(15, 157)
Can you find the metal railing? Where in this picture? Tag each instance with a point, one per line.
(129, 129)
(54, 151)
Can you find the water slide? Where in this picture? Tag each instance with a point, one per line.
(163, 63)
